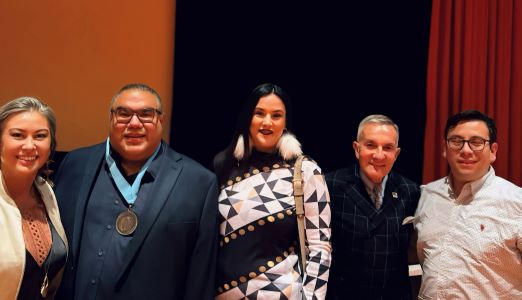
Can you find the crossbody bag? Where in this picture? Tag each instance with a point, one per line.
(299, 209)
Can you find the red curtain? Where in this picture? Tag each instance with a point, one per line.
(475, 62)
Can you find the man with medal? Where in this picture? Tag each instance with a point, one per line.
(141, 218)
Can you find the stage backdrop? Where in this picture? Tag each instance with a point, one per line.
(338, 60)
(75, 55)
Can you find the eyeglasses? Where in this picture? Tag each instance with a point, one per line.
(475, 143)
(123, 115)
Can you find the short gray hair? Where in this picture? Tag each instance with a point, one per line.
(30, 104)
(377, 119)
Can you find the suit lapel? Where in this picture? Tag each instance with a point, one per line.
(91, 172)
(357, 194)
(164, 182)
(354, 189)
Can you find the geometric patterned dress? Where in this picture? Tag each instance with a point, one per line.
(259, 249)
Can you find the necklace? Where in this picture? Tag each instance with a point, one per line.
(44, 288)
(38, 236)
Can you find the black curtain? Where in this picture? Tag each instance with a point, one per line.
(339, 61)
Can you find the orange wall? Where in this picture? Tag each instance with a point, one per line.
(75, 55)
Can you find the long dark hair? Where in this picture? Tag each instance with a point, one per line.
(225, 160)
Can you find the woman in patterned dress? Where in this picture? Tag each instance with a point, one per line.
(33, 246)
(259, 252)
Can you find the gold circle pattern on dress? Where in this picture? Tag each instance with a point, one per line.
(255, 171)
(261, 222)
(251, 227)
(251, 275)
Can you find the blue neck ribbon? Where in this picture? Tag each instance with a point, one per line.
(130, 193)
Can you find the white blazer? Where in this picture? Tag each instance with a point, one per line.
(12, 245)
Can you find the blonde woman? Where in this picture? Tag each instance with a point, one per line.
(33, 247)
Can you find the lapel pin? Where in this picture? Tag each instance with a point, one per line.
(394, 195)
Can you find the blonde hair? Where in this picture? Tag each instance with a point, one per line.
(30, 104)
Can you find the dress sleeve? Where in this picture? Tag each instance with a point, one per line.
(318, 231)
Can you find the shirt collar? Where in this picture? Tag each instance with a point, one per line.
(151, 171)
(473, 186)
(370, 185)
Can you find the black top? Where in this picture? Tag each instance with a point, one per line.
(34, 275)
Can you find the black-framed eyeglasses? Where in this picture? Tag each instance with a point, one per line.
(124, 115)
(474, 143)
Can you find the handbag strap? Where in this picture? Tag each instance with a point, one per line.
(299, 208)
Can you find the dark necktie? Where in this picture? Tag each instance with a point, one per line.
(376, 196)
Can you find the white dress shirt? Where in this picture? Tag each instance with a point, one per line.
(470, 246)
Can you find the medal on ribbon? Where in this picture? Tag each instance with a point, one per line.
(127, 221)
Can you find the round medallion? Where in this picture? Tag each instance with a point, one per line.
(126, 222)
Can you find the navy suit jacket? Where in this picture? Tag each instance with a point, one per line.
(370, 257)
(173, 252)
